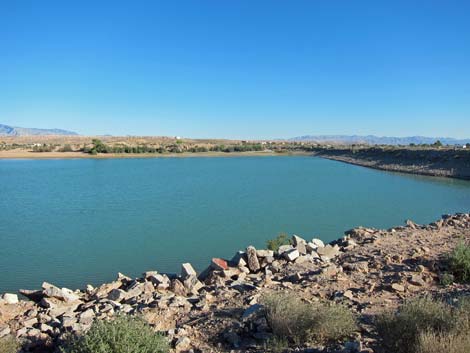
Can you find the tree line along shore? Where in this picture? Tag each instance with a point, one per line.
(432, 159)
(401, 290)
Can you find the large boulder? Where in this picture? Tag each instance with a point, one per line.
(162, 282)
(264, 253)
(65, 294)
(34, 295)
(187, 270)
(317, 243)
(178, 288)
(10, 298)
(296, 240)
(328, 252)
(103, 290)
(219, 264)
(291, 255)
(283, 248)
(253, 263)
(239, 259)
(117, 295)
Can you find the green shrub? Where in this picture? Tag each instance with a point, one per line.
(418, 322)
(9, 344)
(281, 239)
(124, 334)
(66, 148)
(459, 262)
(291, 319)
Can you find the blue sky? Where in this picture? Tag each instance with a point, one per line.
(237, 69)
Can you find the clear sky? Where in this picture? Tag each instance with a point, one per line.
(237, 69)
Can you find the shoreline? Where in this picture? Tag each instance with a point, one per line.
(358, 270)
(25, 155)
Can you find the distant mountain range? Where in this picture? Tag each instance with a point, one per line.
(6, 130)
(379, 140)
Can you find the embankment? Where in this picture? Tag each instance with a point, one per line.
(448, 162)
(219, 310)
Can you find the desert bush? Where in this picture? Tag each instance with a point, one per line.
(419, 322)
(294, 320)
(281, 239)
(459, 262)
(124, 334)
(66, 148)
(9, 344)
(431, 342)
(333, 322)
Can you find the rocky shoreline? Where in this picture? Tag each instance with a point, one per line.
(449, 162)
(219, 309)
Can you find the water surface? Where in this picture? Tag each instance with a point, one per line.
(73, 222)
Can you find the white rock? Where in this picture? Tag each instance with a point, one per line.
(64, 294)
(182, 344)
(264, 253)
(10, 298)
(296, 240)
(318, 243)
(291, 254)
(283, 248)
(69, 295)
(187, 270)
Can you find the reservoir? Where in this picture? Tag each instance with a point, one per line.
(74, 222)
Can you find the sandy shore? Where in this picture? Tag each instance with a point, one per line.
(24, 154)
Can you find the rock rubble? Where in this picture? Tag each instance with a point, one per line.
(219, 309)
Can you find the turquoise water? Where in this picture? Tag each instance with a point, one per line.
(73, 222)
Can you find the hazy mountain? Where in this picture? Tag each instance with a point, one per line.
(379, 140)
(6, 130)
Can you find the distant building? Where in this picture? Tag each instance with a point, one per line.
(465, 146)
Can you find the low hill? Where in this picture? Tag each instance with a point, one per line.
(6, 130)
